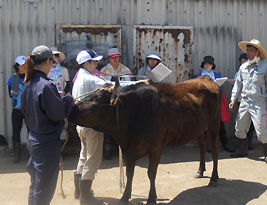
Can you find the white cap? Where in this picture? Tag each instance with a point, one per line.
(154, 55)
(20, 60)
(84, 56)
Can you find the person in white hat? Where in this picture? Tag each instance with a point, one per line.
(251, 83)
(115, 67)
(152, 60)
(15, 88)
(91, 140)
(59, 74)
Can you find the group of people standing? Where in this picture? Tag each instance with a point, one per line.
(250, 90)
(40, 89)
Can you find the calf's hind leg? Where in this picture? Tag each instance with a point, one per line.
(154, 158)
(202, 142)
(214, 143)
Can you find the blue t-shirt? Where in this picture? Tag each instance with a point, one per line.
(16, 101)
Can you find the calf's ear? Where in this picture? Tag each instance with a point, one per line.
(117, 83)
(115, 92)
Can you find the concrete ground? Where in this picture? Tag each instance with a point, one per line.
(242, 181)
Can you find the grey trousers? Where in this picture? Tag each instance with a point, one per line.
(255, 111)
(91, 152)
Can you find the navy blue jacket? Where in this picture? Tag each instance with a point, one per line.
(42, 106)
(216, 75)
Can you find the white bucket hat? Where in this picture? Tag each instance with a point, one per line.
(61, 55)
(86, 55)
(255, 43)
(20, 60)
(154, 55)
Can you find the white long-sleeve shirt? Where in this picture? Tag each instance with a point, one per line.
(86, 82)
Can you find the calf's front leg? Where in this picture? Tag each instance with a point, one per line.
(129, 173)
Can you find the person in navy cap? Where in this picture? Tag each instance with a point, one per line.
(44, 111)
(208, 66)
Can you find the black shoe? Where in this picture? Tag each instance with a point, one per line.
(86, 194)
(242, 149)
(250, 147)
(265, 152)
(228, 148)
(107, 152)
(17, 152)
(77, 178)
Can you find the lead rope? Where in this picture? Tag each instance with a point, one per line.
(122, 182)
(61, 161)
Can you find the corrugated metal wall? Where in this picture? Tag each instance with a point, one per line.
(218, 26)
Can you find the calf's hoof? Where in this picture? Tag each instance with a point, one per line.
(124, 202)
(213, 183)
(151, 203)
(198, 175)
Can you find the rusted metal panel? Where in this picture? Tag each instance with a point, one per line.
(71, 39)
(173, 44)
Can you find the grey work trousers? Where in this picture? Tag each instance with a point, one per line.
(251, 110)
(91, 152)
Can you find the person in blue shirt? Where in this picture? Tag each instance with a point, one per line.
(15, 87)
(208, 66)
(44, 112)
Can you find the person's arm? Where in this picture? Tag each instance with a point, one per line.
(9, 91)
(94, 82)
(104, 71)
(9, 86)
(236, 90)
(237, 87)
(219, 75)
(197, 75)
(67, 88)
(53, 105)
(65, 73)
(128, 72)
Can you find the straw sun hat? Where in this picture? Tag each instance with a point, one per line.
(255, 43)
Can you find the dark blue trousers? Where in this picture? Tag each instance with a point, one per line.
(17, 120)
(43, 167)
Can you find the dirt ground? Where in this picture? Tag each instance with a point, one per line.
(242, 181)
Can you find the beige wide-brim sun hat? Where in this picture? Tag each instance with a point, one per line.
(61, 55)
(255, 43)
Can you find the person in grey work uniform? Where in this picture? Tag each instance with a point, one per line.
(251, 83)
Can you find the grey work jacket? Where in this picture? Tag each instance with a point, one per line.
(251, 82)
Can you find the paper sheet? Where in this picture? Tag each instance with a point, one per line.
(159, 73)
(231, 81)
(220, 81)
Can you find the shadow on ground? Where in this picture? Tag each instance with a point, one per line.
(227, 192)
(168, 156)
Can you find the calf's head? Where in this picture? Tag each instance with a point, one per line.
(92, 109)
